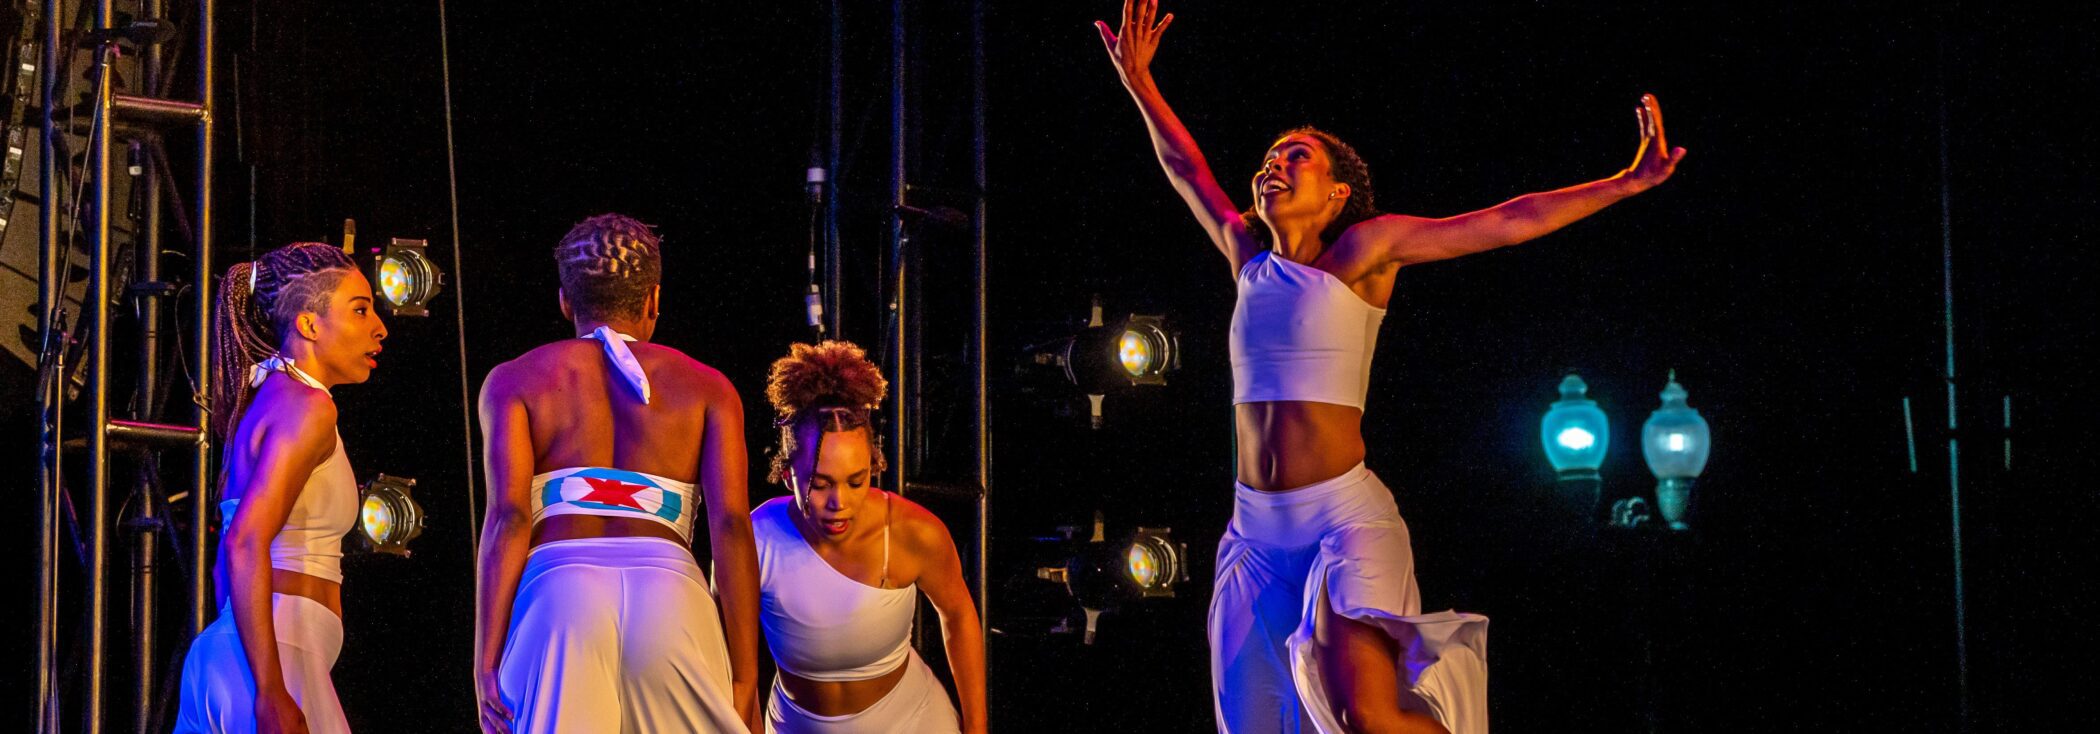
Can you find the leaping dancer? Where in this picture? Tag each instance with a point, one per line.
(1313, 620)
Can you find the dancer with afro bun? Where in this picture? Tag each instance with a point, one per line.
(841, 565)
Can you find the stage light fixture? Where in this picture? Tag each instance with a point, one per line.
(388, 518)
(1104, 357)
(1103, 575)
(1675, 441)
(406, 277)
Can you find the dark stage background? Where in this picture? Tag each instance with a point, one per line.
(1790, 273)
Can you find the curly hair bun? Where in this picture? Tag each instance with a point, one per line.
(826, 374)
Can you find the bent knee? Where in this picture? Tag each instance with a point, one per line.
(1368, 718)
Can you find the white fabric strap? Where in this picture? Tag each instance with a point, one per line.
(280, 363)
(623, 359)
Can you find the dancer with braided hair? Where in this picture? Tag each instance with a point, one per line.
(591, 614)
(841, 565)
(1315, 621)
(291, 326)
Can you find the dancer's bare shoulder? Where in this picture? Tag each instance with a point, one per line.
(919, 530)
(675, 370)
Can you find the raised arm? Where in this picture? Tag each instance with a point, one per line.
(962, 633)
(506, 536)
(723, 482)
(1130, 48)
(296, 435)
(1412, 240)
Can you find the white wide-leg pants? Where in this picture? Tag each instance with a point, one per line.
(1340, 543)
(918, 705)
(218, 689)
(616, 635)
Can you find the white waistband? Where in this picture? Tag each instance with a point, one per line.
(297, 622)
(1299, 517)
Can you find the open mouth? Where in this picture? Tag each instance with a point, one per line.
(372, 358)
(1274, 186)
(835, 527)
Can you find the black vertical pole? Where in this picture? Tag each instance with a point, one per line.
(980, 422)
(900, 387)
(146, 541)
(834, 280)
(1961, 603)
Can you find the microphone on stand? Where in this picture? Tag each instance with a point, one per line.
(815, 178)
(813, 186)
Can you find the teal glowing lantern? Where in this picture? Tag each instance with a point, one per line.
(1675, 441)
(1574, 432)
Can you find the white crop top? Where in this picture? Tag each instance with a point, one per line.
(820, 624)
(311, 541)
(615, 493)
(1299, 333)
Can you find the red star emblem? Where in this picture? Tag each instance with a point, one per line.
(612, 492)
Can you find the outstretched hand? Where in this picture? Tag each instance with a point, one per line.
(1655, 160)
(1132, 44)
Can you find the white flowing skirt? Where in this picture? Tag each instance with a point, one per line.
(1340, 543)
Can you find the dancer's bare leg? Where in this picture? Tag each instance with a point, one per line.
(1361, 665)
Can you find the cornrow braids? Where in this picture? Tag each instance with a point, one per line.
(1346, 167)
(259, 304)
(608, 264)
(830, 386)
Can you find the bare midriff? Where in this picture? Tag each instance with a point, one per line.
(578, 527)
(328, 593)
(1287, 444)
(839, 697)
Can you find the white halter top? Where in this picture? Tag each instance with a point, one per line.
(1299, 333)
(311, 541)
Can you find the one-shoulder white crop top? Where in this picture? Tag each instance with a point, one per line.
(604, 492)
(1299, 333)
(822, 625)
(311, 541)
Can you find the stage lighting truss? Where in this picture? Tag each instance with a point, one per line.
(1136, 350)
(1103, 575)
(388, 518)
(406, 277)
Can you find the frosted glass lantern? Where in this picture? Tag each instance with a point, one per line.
(1574, 432)
(1675, 441)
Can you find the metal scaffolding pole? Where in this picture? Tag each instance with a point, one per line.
(93, 213)
(97, 524)
(200, 481)
(52, 251)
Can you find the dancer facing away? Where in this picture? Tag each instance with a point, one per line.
(841, 562)
(290, 326)
(593, 447)
(1315, 570)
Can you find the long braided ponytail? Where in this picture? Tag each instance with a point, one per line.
(259, 302)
